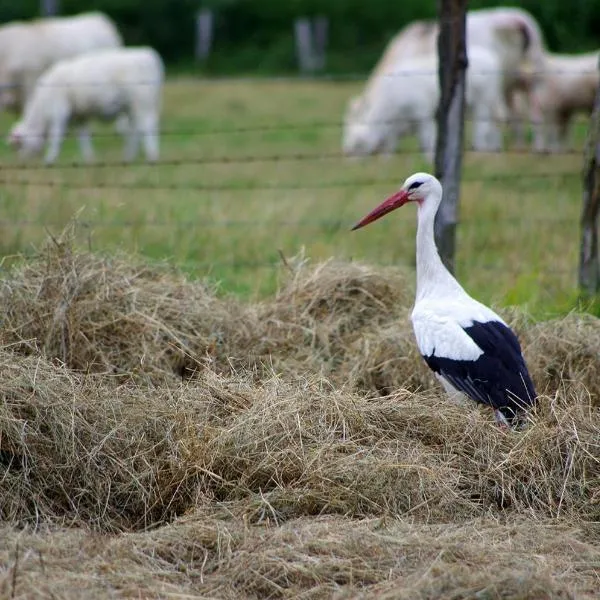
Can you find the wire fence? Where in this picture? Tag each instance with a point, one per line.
(232, 159)
(322, 125)
(21, 174)
(578, 66)
(252, 224)
(228, 222)
(262, 186)
(309, 176)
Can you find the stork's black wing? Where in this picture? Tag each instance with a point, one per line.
(499, 377)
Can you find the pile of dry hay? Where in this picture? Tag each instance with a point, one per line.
(214, 554)
(132, 398)
(347, 322)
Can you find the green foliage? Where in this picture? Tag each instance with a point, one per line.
(256, 35)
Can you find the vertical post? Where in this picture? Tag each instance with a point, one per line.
(204, 33)
(49, 8)
(321, 30)
(589, 267)
(311, 42)
(452, 53)
(304, 44)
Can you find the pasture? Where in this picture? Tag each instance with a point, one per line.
(185, 414)
(217, 209)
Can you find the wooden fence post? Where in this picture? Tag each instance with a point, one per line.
(452, 54)
(589, 267)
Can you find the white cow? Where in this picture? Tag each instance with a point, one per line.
(511, 34)
(567, 87)
(416, 39)
(518, 40)
(406, 100)
(104, 84)
(28, 48)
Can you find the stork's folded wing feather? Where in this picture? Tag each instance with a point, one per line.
(483, 360)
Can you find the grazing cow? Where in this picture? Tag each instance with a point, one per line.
(567, 86)
(512, 34)
(28, 48)
(106, 85)
(406, 100)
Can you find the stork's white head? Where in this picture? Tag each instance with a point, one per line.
(422, 188)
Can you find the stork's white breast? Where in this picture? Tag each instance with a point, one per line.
(439, 327)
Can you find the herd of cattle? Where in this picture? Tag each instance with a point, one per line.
(63, 71)
(511, 78)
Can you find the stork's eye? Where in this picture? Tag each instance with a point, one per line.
(415, 185)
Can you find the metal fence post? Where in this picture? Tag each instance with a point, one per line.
(205, 22)
(452, 54)
(311, 42)
(304, 44)
(49, 8)
(589, 267)
(321, 31)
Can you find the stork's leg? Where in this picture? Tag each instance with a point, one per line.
(501, 419)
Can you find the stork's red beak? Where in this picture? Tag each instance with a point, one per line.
(392, 203)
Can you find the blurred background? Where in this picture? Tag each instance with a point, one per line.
(257, 36)
(251, 167)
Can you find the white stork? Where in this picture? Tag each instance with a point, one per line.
(468, 346)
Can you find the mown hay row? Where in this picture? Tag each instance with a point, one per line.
(215, 554)
(77, 450)
(118, 317)
(347, 322)
(565, 352)
(196, 445)
(113, 316)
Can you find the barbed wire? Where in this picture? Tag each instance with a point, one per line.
(276, 263)
(323, 223)
(242, 159)
(303, 126)
(404, 71)
(282, 186)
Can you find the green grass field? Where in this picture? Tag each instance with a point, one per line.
(517, 241)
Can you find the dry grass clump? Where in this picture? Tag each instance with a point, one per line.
(303, 451)
(566, 352)
(149, 324)
(341, 297)
(322, 312)
(348, 322)
(385, 359)
(309, 451)
(115, 316)
(78, 450)
(215, 553)
(399, 561)
(124, 457)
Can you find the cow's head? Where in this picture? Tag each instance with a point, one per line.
(27, 142)
(362, 135)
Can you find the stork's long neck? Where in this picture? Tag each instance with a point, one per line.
(432, 275)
